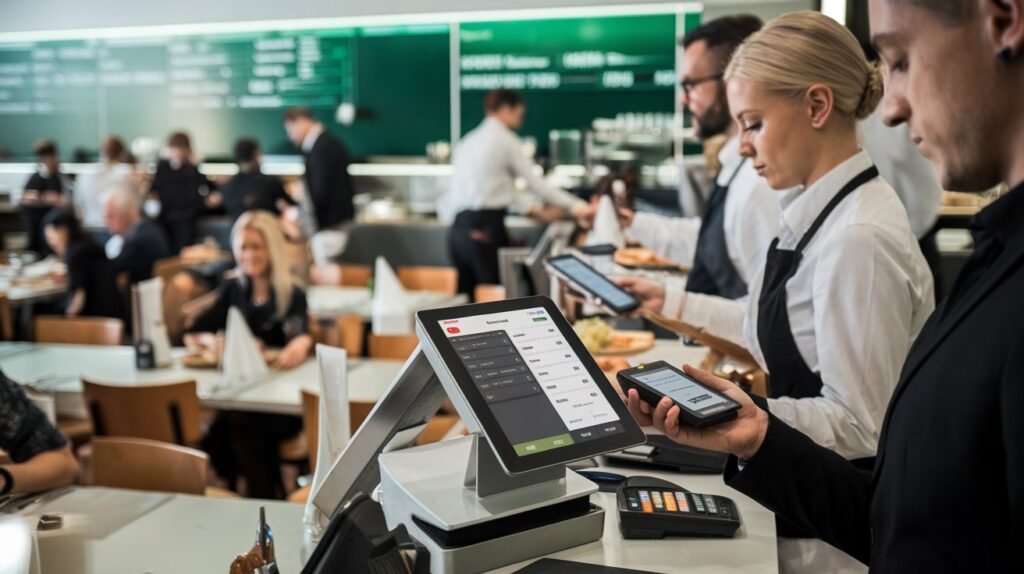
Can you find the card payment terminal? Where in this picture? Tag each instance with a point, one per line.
(653, 508)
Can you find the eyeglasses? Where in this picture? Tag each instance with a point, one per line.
(690, 84)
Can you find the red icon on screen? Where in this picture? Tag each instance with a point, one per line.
(454, 330)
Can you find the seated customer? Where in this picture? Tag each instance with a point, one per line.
(42, 458)
(275, 309)
(92, 290)
(43, 191)
(251, 189)
(137, 242)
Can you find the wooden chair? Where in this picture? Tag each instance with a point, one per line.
(167, 413)
(397, 347)
(484, 293)
(78, 330)
(167, 268)
(142, 464)
(345, 332)
(344, 275)
(439, 279)
(6, 322)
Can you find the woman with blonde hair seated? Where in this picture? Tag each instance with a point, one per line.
(844, 290)
(274, 307)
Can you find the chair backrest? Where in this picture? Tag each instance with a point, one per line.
(167, 268)
(346, 332)
(6, 323)
(168, 413)
(397, 347)
(78, 330)
(440, 279)
(141, 464)
(345, 275)
(484, 293)
(357, 413)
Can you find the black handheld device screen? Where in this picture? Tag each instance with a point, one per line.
(531, 384)
(586, 278)
(699, 405)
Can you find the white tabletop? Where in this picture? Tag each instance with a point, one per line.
(197, 534)
(329, 301)
(59, 369)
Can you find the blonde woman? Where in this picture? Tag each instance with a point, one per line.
(844, 289)
(264, 291)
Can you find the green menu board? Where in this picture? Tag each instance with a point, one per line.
(569, 70)
(222, 86)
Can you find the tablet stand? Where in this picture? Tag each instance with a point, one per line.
(455, 498)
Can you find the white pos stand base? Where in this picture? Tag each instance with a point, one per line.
(454, 499)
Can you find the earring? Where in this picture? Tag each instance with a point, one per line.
(1006, 54)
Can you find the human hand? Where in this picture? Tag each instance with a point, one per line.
(741, 436)
(650, 294)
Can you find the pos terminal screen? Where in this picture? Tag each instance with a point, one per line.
(537, 389)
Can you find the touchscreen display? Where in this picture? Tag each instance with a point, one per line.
(534, 384)
(683, 390)
(598, 284)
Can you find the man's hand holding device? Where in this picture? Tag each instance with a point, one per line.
(741, 436)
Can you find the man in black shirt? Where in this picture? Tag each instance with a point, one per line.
(43, 191)
(250, 188)
(947, 491)
(183, 192)
(40, 454)
(136, 243)
(328, 183)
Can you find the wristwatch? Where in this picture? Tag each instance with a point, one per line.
(8, 481)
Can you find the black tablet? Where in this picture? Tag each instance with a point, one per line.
(585, 278)
(536, 391)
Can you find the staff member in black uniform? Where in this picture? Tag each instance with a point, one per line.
(183, 192)
(725, 247)
(947, 492)
(43, 191)
(274, 307)
(92, 290)
(328, 183)
(485, 164)
(250, 189)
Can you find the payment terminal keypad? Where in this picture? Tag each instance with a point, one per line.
(653, 508)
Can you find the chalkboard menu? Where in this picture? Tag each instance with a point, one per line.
(569, 70)
(223, 86)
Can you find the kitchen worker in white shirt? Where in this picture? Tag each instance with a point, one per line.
(845, 289)
(726, 246)
(485, 165)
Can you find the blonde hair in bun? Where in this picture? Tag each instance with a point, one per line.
(800, 49)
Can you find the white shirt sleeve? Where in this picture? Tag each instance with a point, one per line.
(522, 167)
(673, 238)
(754, 226)
(867, 297)
(718, 316)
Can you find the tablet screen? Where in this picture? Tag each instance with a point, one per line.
(533, 383)
(597, 284)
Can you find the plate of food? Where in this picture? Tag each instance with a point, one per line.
(209, 358)
(601, 339)
(643, 258)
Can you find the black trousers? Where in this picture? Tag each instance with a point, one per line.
(473, 242)
(246, 444)
(180, 233)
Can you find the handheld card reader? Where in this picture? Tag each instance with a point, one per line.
(651, 508)
(585, 279)
(699, 405)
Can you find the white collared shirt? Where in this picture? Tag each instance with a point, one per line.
(857, 301)
(485, 165)
(92, 189)
(311, 136)
(751, 219)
